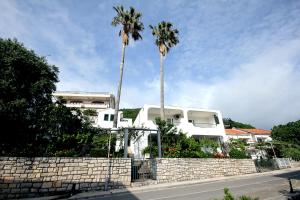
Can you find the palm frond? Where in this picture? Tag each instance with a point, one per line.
(165, 35)
(130, 20)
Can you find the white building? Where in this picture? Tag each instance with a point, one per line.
(102, 103)
(192, 121)
(249, 135)
(106, 119)
(87, 100)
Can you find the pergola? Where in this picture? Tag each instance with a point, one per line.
(126, 131)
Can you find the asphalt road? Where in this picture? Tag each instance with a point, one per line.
(271, 187)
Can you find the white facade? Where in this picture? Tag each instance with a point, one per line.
(106, 118)
(87, 100)
(249, 135)
(194, 122)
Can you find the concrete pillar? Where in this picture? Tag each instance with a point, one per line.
(125, 142)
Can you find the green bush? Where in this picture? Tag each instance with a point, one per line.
(194, 154)
(229, 196)
(98, 152)
(66, 153)
(291, 152)
(153, 150)
(236, 153)
(265, 163)
(90, 112)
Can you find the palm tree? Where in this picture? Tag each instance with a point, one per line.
(130, 26)
(166, 38)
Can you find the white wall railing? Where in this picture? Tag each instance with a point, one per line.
(87, 105)
(204, 125)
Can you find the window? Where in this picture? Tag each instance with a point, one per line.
(112, 117)
(216, 119)
(170, 121)
(128, 143)
(260, 140)
(191, 121)
(97, 102)
(75, 101)
(106, 117)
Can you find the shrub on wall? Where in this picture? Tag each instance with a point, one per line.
(236, 153)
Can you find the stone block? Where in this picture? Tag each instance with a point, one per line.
(76, 177)
(15, 190)
(61, 189)
(11, 196)
(44, 165)
(81, 164)
(65, 169)
(57, 184)
(52, 165)
(66, 173)
(4, 185)
(8, 179)
(46, 178)
(44, 190)
(23, 176)
(6, 191)
(25, 190)
(36, 185)
(26, 185)
(7, 167)
(47, 185)
(34, 190)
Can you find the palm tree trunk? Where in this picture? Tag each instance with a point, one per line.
(119, 88)
(162, 100)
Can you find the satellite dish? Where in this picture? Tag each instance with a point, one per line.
(176, 116)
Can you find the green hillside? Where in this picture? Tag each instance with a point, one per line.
(130, 113)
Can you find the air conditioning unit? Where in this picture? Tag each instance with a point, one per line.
(177, 116)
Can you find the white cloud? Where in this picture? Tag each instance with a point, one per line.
(263, 92)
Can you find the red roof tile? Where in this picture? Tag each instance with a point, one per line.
(235, 132)
(257, 131)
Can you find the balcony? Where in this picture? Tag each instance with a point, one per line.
(86, 105)
(205, 125)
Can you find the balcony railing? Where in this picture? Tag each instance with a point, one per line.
(176, 123)
(205, 125)
(87, 105)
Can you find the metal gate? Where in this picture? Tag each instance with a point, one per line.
(142, 169)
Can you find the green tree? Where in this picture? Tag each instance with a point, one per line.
(131, 113)
(166, 38)
(238, 149)
(90, 112)
(176, 144)
(27, 82)
(287, 139)
(130, 26)
(289, 132)
(229, 123)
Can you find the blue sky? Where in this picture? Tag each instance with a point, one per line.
(242, 57)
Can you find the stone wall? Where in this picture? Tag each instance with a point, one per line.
(29, 177)
(295, 163)
(183, 169)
